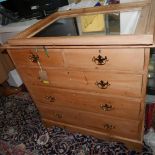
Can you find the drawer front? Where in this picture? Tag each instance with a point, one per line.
(114, 106)
(110, 83)
(101, 82)
(109, 125)
(111, 59)
(57, 78)
(27, 57)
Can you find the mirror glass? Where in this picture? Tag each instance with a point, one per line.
(117, 23)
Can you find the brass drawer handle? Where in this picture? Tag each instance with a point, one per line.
(100, 60)
(34, 58)
(58, 115)
(102, 84)
(50, 98)
(106, 107)
(108, 127)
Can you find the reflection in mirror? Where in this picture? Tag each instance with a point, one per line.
(61, 27)
(94, 24)
(128, 22)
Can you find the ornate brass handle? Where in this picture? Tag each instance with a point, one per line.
(108, 127)
(100, 60)
(106, 107)
(58, 115)
(50, 98)
(102, 84)
(34, 58)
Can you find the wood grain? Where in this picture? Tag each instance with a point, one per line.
(92, 121)
(73, 98)
(91, 102)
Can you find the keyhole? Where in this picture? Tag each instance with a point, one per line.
(69, 75)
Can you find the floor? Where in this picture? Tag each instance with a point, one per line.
(22, 133)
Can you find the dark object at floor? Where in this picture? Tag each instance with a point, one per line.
(20, 125)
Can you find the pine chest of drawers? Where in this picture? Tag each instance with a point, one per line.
(93, 84)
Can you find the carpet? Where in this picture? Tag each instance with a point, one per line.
(22, 133)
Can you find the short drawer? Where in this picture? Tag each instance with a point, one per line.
(114, 83)
(100, 82)
(109, 125)
(107, 105)
(109, 59)
(28, 57)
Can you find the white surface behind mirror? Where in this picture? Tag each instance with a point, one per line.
(128, 20)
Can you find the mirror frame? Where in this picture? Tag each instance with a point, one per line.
(144, 34)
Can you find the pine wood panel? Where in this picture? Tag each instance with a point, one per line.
(119, 84)
(122, 40)
(118, 59)
(109, 125)
(123, 84)
(107, 105)
(23, 57)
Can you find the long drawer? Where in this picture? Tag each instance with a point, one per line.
(101, 82)
(107, 105)
(109, 125)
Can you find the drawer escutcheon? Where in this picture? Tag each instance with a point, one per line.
(33, 58)
(100, 60)
(108, 127)
(106, 107)
(50, 98)
(59, 116)
(102, 84)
